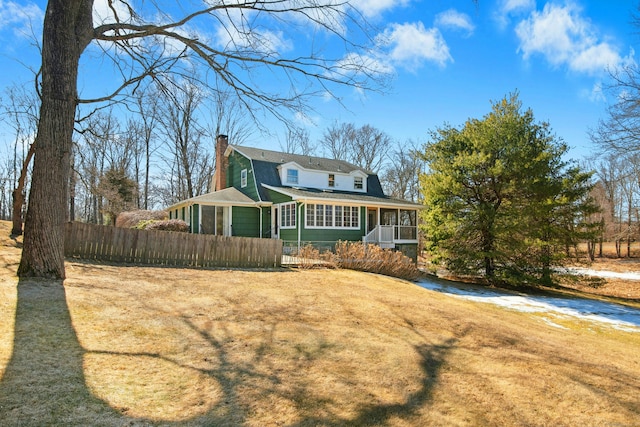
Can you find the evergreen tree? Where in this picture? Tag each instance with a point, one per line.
(500, 198)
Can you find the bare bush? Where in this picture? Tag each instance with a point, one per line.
(310, 257)
(131, 219)
(374, 259)
(169, 225)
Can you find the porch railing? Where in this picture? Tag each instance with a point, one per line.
(391, 234)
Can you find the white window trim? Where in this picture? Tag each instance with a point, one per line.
(243, 178)
(287, 177)
(332, 226)
(294, 209)
(355, 180)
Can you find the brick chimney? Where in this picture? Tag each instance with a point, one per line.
(222, 142)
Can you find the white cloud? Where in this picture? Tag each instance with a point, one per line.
(564, 38)
(510, 8)
(103, 12)
(514, 6)
(453, 19)
(354, 63)
(20, 17)
(371, 8)
(411, 44)
(597, 93)
(595, 58)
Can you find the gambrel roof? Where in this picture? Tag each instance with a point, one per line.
(266, 162)
(305, 162)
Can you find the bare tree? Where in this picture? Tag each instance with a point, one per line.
(619, 132)
(5, 190)
(297, 141)
(338, 140)
(145, 43)
(147, 107)
(228, 116)
(602, 217)
(185, 137)
(401, 178)
(20, 112)
(370, 148)
(618, 176)
(365, 146)
(104, 147)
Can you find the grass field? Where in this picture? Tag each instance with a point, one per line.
(128, 346)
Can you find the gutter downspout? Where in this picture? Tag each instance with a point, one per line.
(300, 224)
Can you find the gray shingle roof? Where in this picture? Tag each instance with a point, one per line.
(344, 196)
(265, 164)
(229, 196)
(307, 162)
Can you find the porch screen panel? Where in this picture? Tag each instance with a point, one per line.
(408, 224)
(208, 220)
(219, 220)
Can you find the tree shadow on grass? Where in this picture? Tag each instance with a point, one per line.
(44, 382)
(432, 358)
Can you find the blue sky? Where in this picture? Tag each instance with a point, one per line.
(449, 60)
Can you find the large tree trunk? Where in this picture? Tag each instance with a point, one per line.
(67, 31)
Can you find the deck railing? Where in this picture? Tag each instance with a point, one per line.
(391, 234)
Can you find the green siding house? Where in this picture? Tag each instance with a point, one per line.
(298, 199)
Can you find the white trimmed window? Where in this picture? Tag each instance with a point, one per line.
(243, 178)
(357, 183)
(288, 215)
(332, 180)
(332, 216)
(292, 176)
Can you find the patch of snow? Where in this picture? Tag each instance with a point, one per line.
(633, 275)
(614, 315)
(552, 323)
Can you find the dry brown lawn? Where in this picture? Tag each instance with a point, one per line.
(118, 346)
(624, 289)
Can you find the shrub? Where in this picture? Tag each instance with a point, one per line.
(310, 257)
(142, 225)
(131, 219)
(168, 225)
(374, 259)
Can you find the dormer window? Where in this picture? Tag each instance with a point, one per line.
(357, 183)
(332, 180)
(292, 176)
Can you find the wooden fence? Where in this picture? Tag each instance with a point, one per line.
(126, 245)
